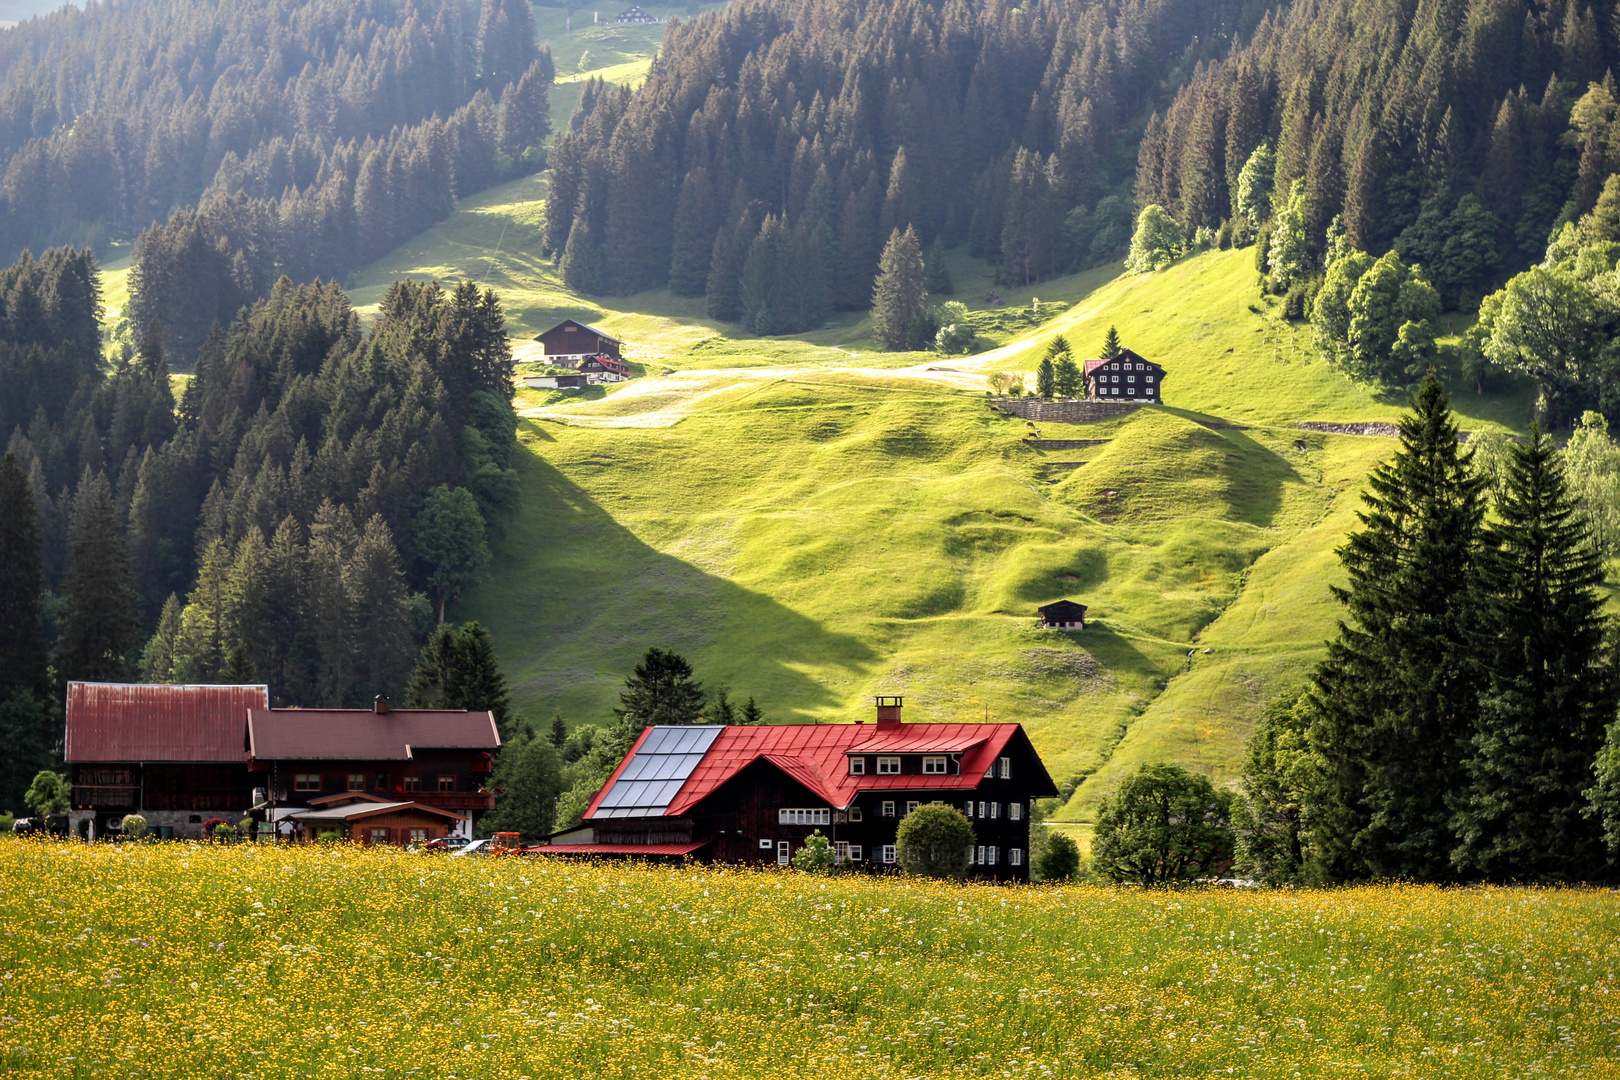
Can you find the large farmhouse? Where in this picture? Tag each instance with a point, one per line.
(570, 341)
(1126, 377)
(752, 794)
(185, 756)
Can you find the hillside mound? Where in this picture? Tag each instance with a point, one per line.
(1164, 467)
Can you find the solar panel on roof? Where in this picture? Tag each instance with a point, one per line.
(651, 779)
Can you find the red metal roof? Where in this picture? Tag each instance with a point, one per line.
(613, 849)
(364, 735)
(130, 722)
(815, 756)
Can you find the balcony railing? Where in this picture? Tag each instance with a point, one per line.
(105, 796)
(453, 800)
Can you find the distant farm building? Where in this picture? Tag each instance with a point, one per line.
(1127, 377)
(604, 369)
(1063, 615)
(570, 341)
(636, 15)
(555, 382)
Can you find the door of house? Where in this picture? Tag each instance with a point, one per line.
(783, 852)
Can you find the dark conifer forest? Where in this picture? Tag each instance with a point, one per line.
(775, 148)
(242, 141)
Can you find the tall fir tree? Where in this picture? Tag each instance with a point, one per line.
(101, 621)
(899, 296)
(22, 586)
(660, 690)
(1551, 689)
(1396, 695)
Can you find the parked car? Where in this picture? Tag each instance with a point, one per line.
(473, 847)
(446, 843)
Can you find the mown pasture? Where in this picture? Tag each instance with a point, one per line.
(170, 960)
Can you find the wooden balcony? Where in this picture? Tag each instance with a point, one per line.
(105, 796)
(453, 800)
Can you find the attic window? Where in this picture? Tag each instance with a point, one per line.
(1006, 768)
(888, 766)
(857, 766)
(935, 766)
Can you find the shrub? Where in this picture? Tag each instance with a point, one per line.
(935, 841)
(133, 826)
(1164, 824)
(329, 837)
(1156, 243)
(48, 794)
(1059, 859)
(224, 831)
(816, 855)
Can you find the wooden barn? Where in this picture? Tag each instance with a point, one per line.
(604, 369)
(1063, 615)
(752, 794)
(1127, 377)
(571, 341)
(438, 758)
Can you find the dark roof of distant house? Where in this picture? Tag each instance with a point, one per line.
(109, 722)
(672, 769)
(584, 326)
(1063, 609)
(1124, 354)
(365, 735)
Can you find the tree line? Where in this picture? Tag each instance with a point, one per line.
(298, 517)
(804, 138)
(1413, 124)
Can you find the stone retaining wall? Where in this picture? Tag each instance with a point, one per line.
(1064, 412)
(1378, 428)
(1062, 444)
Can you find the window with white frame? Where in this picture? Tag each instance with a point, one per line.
(911, 806)
(1015, 856)
(766, 845)
(888, 853)
(978, 855)
(822, 816)
(840, 851)
(982, 811)
(967, 808)
(888, 809)
(888, 766)
(857, 766)
(855, 853)
(995, 811)
(855, 814)
(1006, 768)
(990, 855)
(935, 766)
(1015, 811)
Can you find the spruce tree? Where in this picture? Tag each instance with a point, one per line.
(22, 586)
(660, 691)
(1046, 379)
(101, 622)
(1110, 345)
(899, 312)
(1551, 688)
(936, 275)
(559, 730)
(1396, 695)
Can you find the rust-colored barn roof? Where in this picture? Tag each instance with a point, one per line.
(672, 769)
(363, 734)
(132, 722)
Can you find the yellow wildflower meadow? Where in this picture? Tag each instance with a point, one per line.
(169, 960)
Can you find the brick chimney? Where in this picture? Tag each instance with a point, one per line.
(379, 705)
(888, 713)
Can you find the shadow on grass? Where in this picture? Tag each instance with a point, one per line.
(575, 599)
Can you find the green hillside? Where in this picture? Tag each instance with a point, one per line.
(813, 522)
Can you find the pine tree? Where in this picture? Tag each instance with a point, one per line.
(1110, 346)
(696, 222)
(158, 658)
(1046, 379)
(525, 117)
(936, 274)
(1396, 696)
(457, 669)
(1552, 684)
(22, 586)
(559, 730)
(660, 691)
(899, 312)
(101, 622)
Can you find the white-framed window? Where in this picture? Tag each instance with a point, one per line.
(888, 809)
(766, 845)
(1015, 811)
(855, 853)
(967, 808)
(840, 851)
(911, 806)
(1130, 378)
(990, 855)
(995, 811)
(822, 816)
(857, 766)
(1006, 768)
(935, 766)
(1147, 378)
(888, 853)
(855, 814)
(307, 781)
(978, 855)
(357, 781)
(1130, 389)
(1015, 856)
(983, 812)
(784, 852)
(888, 766)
